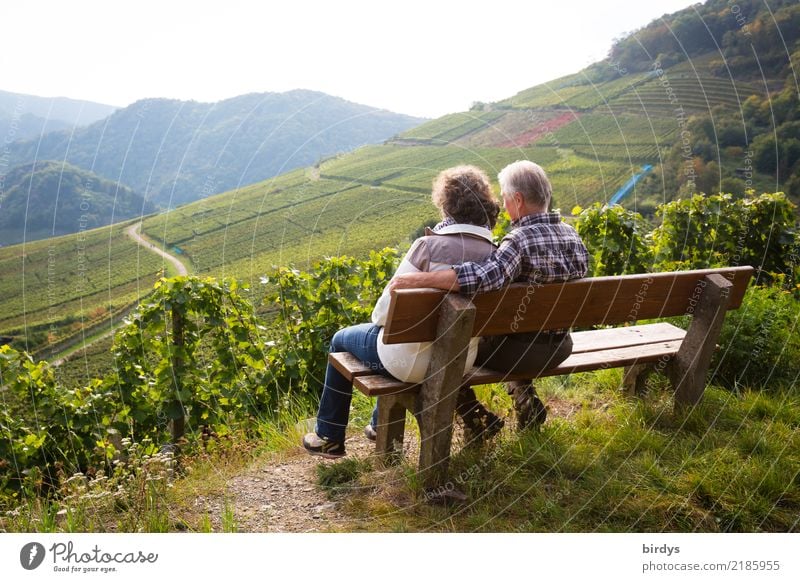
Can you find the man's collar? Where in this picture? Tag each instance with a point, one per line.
(537, 218)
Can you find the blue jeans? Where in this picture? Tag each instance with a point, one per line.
(334, 406)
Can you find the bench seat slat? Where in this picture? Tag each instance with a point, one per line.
(348, 365)
(584, 341)
(620, 337)
(377, 385)
(588, 361)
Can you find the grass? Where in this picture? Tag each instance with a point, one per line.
(609, 464)
(602, 463)
(342, 476)
(149, 491)
(228, 518)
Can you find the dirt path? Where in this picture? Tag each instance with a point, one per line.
(282, 495)
(133, 232)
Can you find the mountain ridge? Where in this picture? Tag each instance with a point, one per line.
(175, 151)
(58, 112)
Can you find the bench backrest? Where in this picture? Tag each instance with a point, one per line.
(519, 308)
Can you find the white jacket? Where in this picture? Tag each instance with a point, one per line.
(450, 245)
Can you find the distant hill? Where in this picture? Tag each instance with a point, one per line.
(51, 199)
(70, 111)
(28, 116)
(16, 126)
(179, 151)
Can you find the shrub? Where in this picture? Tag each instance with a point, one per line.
(709, 231)
(47, 430)
(192, 350)
(312, 306)
(760, 343)
(615, 238)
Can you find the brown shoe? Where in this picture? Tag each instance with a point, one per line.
(480, 423)
(530, 409)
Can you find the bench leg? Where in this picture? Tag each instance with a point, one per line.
(440, 390)
(688, 369)
(391, 424)
(635, 379)
(436, 434)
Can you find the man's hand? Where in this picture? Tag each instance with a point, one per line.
(446, 280)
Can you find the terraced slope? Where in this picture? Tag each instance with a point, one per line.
(574, 92)
(590, 137)
(664, 94)
(53, 289)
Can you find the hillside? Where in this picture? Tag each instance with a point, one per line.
(179, 151)
(71, 112)
(50, 199)
(16, 124)
(592, 131)
(28, 116)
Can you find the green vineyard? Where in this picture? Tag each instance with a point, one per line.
(665, 95)
(451, 127)
(573, 92)
(625, 128)
(55, 286)
(591, 137)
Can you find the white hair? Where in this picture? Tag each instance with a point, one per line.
(528, 179)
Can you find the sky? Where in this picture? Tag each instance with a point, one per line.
(423, 58)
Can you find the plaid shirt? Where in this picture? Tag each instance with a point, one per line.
(540, 248)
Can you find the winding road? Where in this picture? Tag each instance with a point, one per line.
(133, 232)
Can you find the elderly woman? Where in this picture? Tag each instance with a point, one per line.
(468, 212)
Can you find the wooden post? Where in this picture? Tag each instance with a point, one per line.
(440, 389)
(689, 367)
(391, 424)
(635, 379)
(178, 422)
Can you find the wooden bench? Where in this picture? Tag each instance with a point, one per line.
(450, 320)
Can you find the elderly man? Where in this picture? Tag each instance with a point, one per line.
(539, 249)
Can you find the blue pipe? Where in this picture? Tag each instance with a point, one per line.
(626, 189)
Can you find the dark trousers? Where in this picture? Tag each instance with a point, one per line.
(527, 353)
(519, 353)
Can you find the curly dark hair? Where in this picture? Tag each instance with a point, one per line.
(464, 194)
